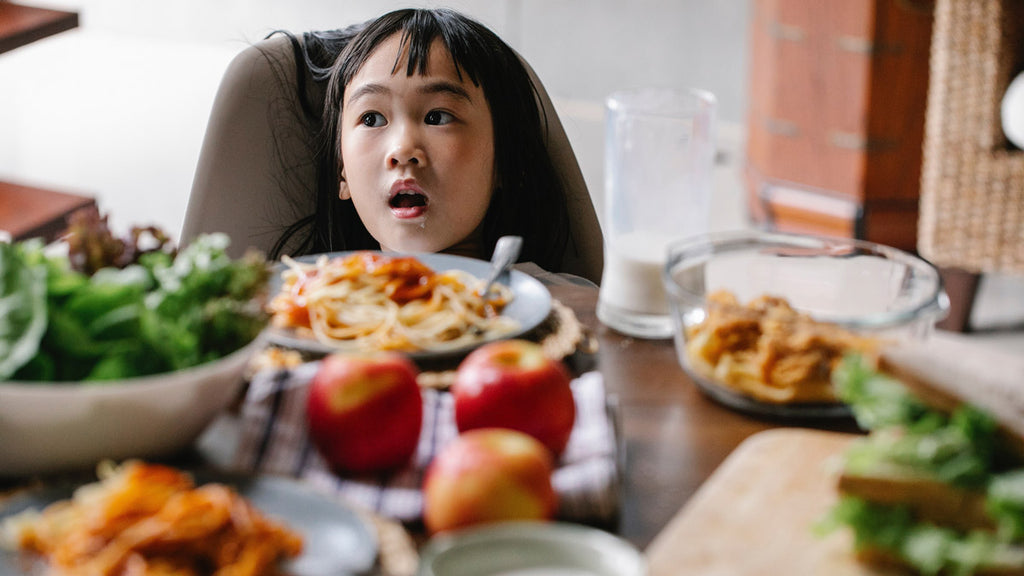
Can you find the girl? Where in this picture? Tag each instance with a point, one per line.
(431, 141)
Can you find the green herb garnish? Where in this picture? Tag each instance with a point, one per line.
(124, 311)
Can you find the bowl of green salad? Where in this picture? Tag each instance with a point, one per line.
(118, 348)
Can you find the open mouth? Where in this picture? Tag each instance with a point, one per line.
(408, 199)
(408, 204)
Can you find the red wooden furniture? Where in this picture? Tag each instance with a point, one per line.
(26, 211)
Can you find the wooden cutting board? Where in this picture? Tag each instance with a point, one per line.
(754, 515)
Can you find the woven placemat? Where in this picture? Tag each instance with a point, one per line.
(561, 335)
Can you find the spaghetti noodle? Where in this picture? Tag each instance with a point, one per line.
(368, 301)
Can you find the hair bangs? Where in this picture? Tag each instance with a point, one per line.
(418, 29)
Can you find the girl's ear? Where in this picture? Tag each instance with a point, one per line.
(343, 192)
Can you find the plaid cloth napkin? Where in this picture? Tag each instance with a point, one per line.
(274, 440)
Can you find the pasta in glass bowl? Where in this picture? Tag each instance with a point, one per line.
(761, 318)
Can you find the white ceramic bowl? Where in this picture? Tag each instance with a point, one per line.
(531, 549)
(50, 427)
(865, 287)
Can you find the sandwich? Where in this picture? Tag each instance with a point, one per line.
(937, 484)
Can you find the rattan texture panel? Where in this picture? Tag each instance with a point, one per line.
(972, 182)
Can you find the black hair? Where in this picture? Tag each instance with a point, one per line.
(529, 199)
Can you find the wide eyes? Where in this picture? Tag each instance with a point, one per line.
(438, 118)
(372, 120)
(433, 118)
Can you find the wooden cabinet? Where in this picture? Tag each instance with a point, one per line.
(25, 211)
(29, 212)
(836, 117)
(20, 25)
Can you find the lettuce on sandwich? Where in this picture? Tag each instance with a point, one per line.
(937, 484)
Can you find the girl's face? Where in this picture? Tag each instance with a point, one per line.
(418, 152)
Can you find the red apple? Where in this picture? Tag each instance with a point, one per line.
(365, 411)
(513, 384)
(488, 475)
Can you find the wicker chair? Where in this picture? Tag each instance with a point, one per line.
(972, 182)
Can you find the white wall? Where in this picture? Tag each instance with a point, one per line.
(117, 107)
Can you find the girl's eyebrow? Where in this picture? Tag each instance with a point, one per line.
(445, 87)
(439, 87)
(367, 90)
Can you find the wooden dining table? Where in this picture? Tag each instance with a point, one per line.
(672, 436)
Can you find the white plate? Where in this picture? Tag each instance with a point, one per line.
(336, 541)
(530, 305)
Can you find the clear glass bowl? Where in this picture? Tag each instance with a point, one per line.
(864, 287)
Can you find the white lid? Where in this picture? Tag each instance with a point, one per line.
(531, 549)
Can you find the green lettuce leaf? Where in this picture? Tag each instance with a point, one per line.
(876, 400)
(166, 311)
(1005, 503)
(22, 305)
(927, 548)
(957, 452)
(909, 438)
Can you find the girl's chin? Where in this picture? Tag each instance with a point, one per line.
(412, 245)
(464, 248)
(422, 237)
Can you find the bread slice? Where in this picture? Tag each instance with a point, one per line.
(930, 500)
(945, 373)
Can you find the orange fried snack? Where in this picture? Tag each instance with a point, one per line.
(143, 519)
(769, 351)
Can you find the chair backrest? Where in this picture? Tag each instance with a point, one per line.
(972, 182)
(256, 172)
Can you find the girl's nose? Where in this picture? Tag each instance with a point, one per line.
(406, 149)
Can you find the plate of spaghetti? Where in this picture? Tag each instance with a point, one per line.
(142, 518)
(426, 305)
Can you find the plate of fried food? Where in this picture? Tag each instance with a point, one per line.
(425, 305)
(142, 518)
(763, 318)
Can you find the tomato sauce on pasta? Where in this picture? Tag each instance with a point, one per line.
(370, 301)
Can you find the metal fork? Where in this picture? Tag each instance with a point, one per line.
(506, 252)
